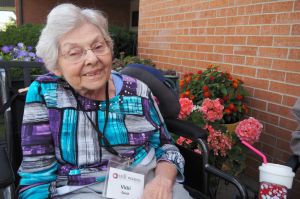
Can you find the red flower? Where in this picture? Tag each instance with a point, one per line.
(188, 79)
(206, 94)
(227, 111)
(181, 83)
(231, 106)
(226, 97)
(187, 93)
(205, 88)
(221, 101)
(235, 85)
(239, 97)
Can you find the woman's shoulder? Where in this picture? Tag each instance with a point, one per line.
(48, 78)
(44, 83)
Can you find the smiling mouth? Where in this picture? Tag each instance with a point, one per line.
(93, 73)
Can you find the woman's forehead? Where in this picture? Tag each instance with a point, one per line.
(82, 35)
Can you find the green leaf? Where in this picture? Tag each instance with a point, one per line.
(223, 90)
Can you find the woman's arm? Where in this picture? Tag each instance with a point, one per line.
(39, 165)
(170, 163)
(166, 170)
(163, 143)
(161, 187)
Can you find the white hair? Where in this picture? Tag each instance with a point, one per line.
(62, 19)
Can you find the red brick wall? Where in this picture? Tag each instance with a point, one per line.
(36, 11)
(256, 40)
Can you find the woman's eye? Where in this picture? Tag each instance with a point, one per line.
(74, 52)
(99, 47)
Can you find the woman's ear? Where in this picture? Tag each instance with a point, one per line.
(57, 71)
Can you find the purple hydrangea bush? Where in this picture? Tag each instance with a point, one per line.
(20, 52)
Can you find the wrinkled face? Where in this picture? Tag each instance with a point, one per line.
(84, 60)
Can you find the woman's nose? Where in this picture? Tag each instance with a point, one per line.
(90, 57)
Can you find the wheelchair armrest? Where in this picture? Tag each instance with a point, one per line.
(229, 178)
(7, 176)
(185, 128)
(293, 162)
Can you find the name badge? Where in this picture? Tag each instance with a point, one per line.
(124, 184)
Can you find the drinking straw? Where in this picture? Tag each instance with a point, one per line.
(256, 151)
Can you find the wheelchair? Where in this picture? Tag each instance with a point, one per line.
(197, 170)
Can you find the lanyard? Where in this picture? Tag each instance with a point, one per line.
(101, 135)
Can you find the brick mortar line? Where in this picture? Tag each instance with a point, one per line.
(219, 17)
(225, 45)
(250, 24)
(230, 45)
(244, 45)
(216, 35)
(246, 56)
(232, 6)
(230, 26)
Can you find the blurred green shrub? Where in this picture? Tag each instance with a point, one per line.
(28, 34)
(125, 41)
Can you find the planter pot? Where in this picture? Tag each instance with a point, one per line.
(231, 127)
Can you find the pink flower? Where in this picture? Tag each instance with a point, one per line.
(188, 141)
(212, 109)
(218, 142)
(186, 107)
(180, 140)
(249, 130)
(198, 151)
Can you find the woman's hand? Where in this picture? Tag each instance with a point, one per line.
(159, 188)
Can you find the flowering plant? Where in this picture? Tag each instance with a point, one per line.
(203, 103)
(228, 153)
(212, 83)
(18, 53)
(249, 130)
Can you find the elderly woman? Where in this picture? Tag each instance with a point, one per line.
(81, 115)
